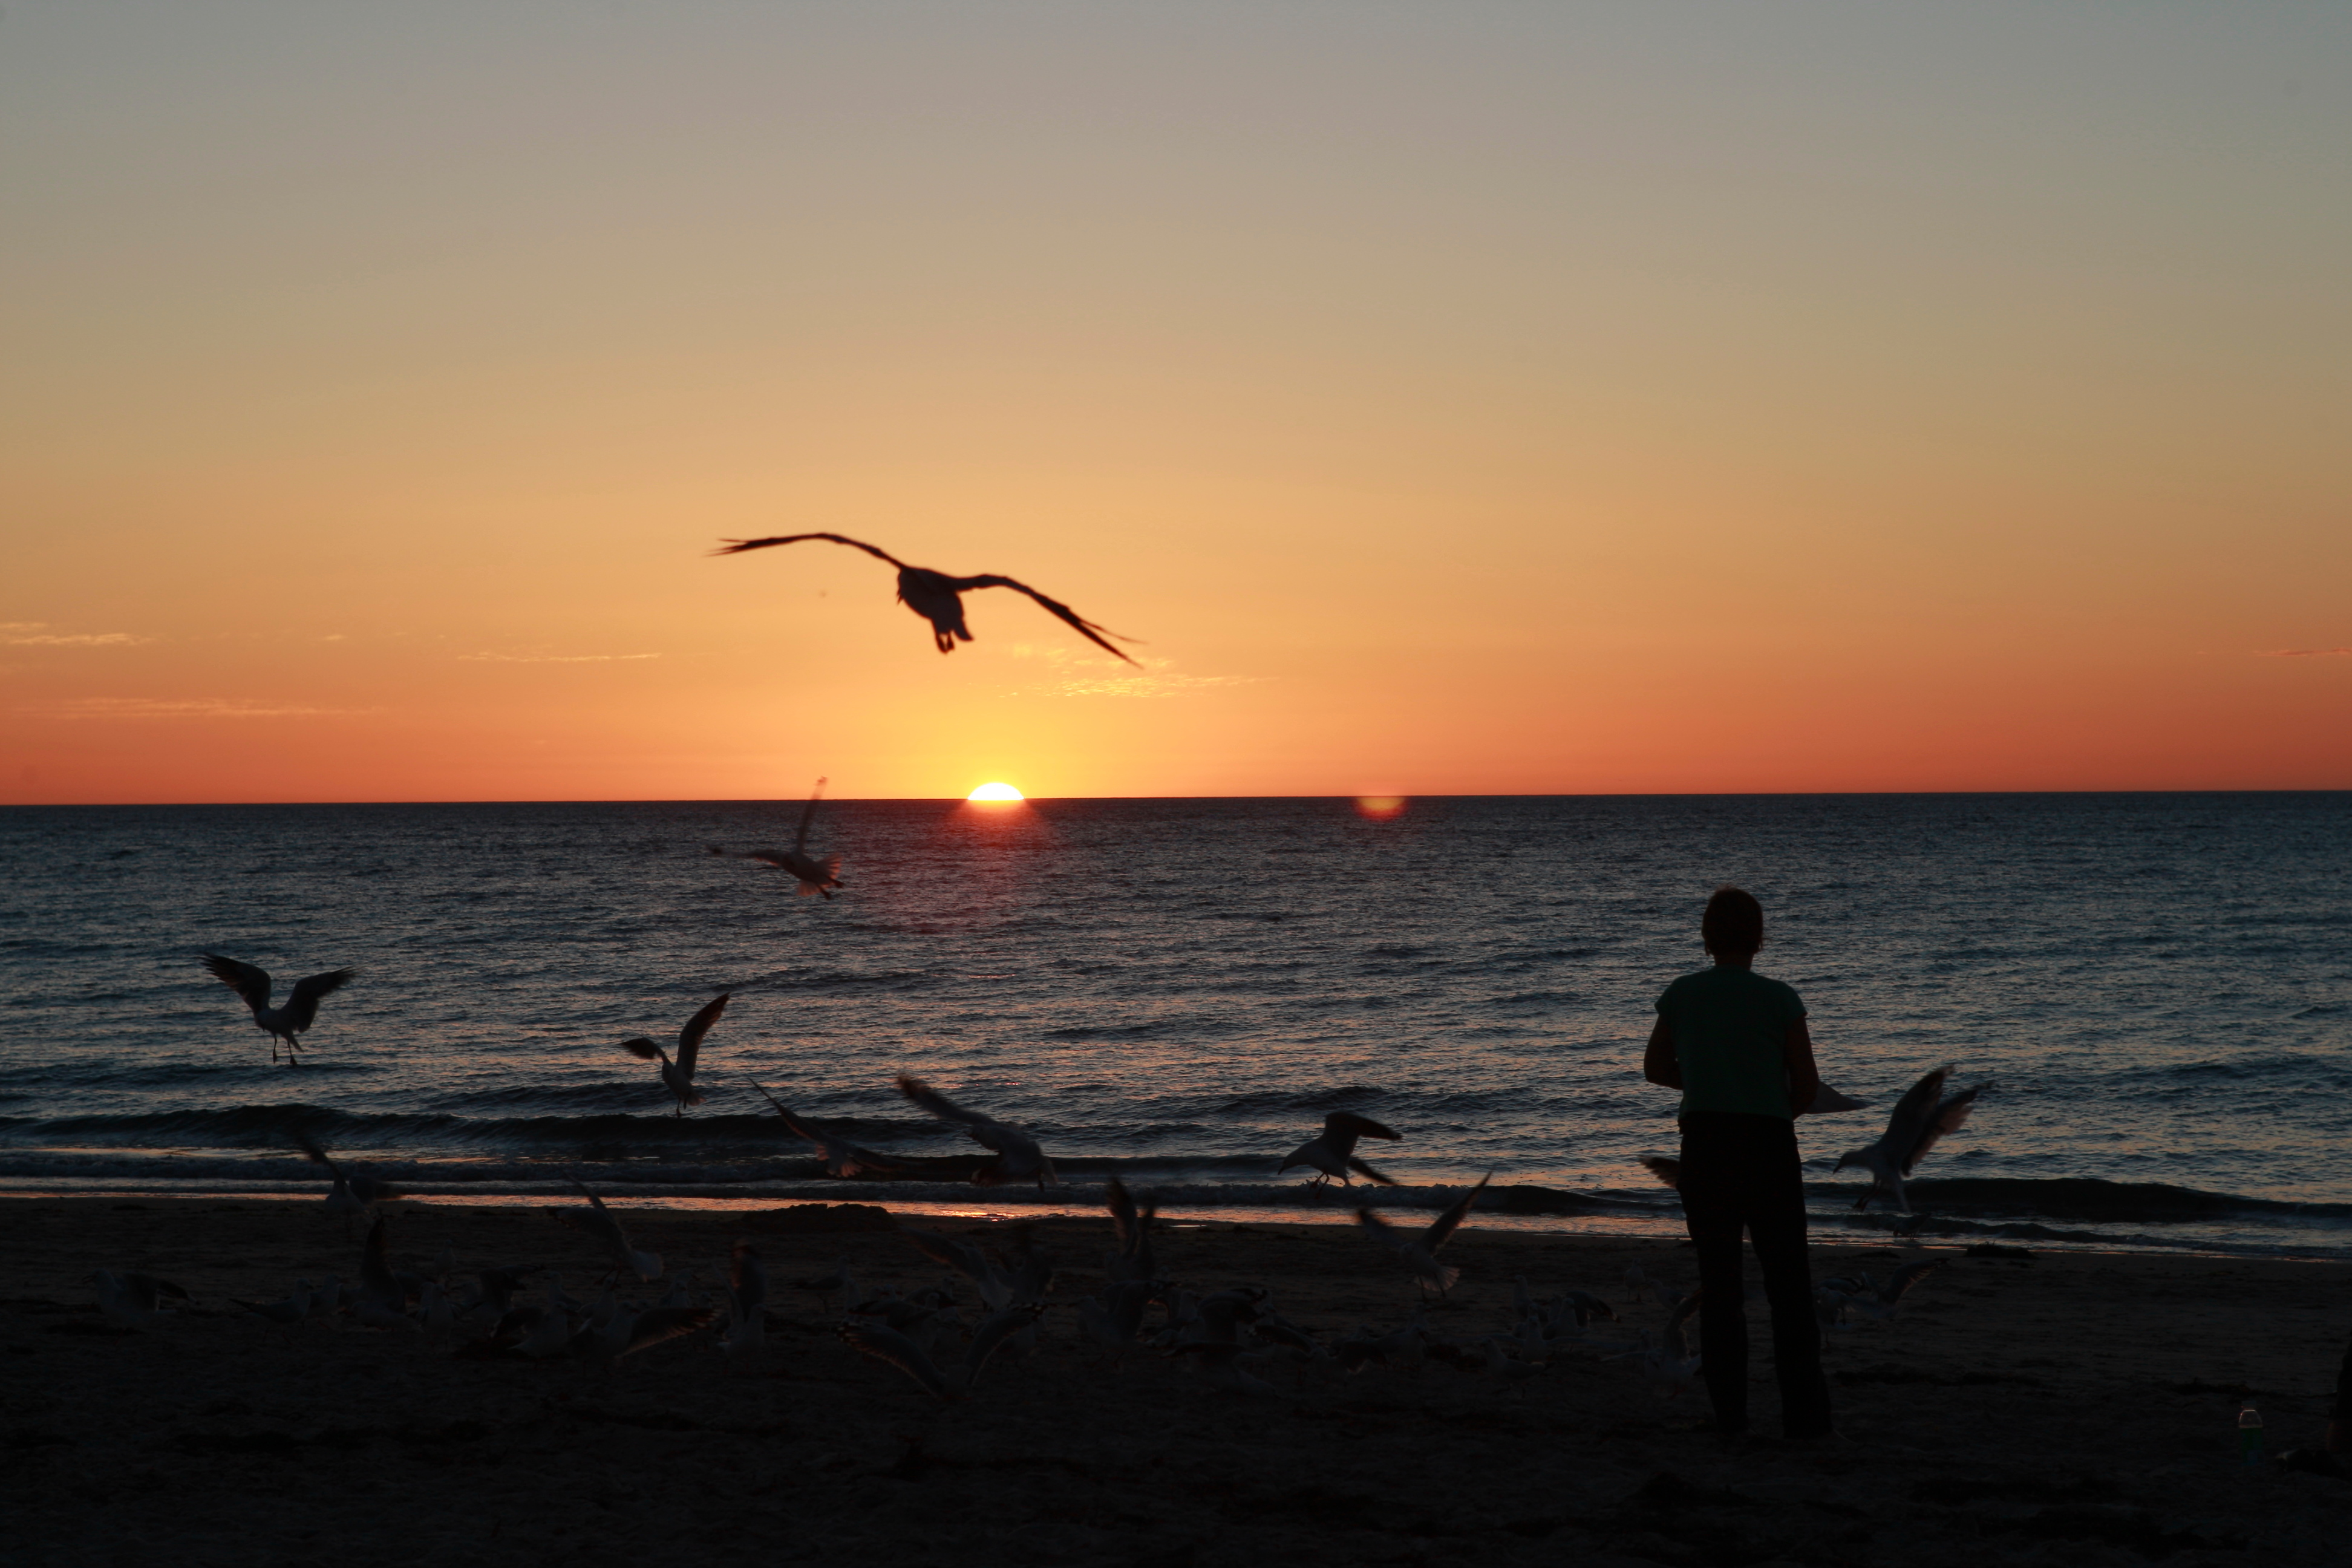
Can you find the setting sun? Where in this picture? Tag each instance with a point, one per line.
(998, 792)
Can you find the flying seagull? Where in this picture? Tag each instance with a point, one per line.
(813, 874)
(1922, 1116)
(1018, 1158)
(938, 597)
(301, 1009)
(605, 1226)
(677, 1076)
(1419, 1253)
(841, 1159)
(1333, 1151)
(351, 1196)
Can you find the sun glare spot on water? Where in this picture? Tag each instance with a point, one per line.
(995, 792)
(1379, 807)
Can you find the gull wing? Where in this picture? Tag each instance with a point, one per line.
(596, 1220)
(1829, 1102)
(249, 981)
(833, 1149)
(736, 546)
(1950, 1114)
(987, 1338)
(312, 1152)
(950, 1253)
(1912, 1113)
(1370, 1174)
(1434, 1237)
(1381, 1231)
(690, 1039)
(662, 1324)
(986, 1131)
(808, 815)
(1908, 1276)
(644, 1049)
(1666, 1169)
(1353, 1126)
(1097, 635)
(302, 1006)
(1129, 1221)
(889, 1346)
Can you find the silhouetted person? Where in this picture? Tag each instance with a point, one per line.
(1736, 1045)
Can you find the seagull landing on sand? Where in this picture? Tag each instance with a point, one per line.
(677, 1076)
(1419, 1253)
(605, 1226)
(1018, 1158)
(938, 597)
(351, 1196)
(1922, 1116)
(841, 1159)
(301, 1009)
(1332, 1152)
(813, 874)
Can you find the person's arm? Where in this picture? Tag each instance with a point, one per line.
(1658, 1063)
(1805, 1077)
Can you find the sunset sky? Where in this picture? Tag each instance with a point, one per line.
(1455, 399)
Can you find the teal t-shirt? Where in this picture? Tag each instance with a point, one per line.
(1731, 1028)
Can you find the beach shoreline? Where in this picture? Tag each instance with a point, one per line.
(2065, 1407)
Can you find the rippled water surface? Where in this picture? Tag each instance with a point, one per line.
(2159, 986)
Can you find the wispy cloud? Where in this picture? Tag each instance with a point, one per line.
(2305, 653)
(554, 658)
(176, 708)
(32, 634)
(1076, 677)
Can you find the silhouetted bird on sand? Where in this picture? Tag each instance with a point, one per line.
(301, 1009)
(814, 876)
(1332, 1152)
(938, 597)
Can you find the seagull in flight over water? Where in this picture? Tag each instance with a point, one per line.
(301, 1009)
(938, 597)
(677, 1076)
(814, 876)
(841, 1159)
(1921, 1117)
(1018, 1158)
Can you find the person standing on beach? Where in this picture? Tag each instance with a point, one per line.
(1736, 1045)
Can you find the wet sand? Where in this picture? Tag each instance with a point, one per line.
(2070, 1409)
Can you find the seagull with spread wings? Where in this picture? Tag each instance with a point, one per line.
(677, 1076)
(841, 1159)
(810, 874)
(1419, 1253)
(300, 1011)
(1018, 1158)
(604, 1225)
(1332, 1151)
(938, 597)
(1921, 1117)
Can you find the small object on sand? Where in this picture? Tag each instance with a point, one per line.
(677, 1076)
(1332, 1152)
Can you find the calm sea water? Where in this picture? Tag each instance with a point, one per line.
(2159, 987)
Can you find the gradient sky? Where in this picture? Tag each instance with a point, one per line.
(1455, 398)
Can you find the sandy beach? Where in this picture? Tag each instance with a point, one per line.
(2065, 1408)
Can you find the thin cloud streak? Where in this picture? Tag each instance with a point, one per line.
(553, 658)
(28, 633)
(2304, 653)
(178, 707)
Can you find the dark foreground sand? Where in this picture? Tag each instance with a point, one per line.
(2072, 1410)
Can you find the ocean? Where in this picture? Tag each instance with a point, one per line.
(2157, 987)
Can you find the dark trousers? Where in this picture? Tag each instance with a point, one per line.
(1741, 1172)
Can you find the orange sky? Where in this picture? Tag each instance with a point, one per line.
(1455, 400)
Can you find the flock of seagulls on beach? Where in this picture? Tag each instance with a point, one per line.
(1230, 1338)
(999, 1293)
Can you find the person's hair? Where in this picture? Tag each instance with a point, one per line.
(1734, 921)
